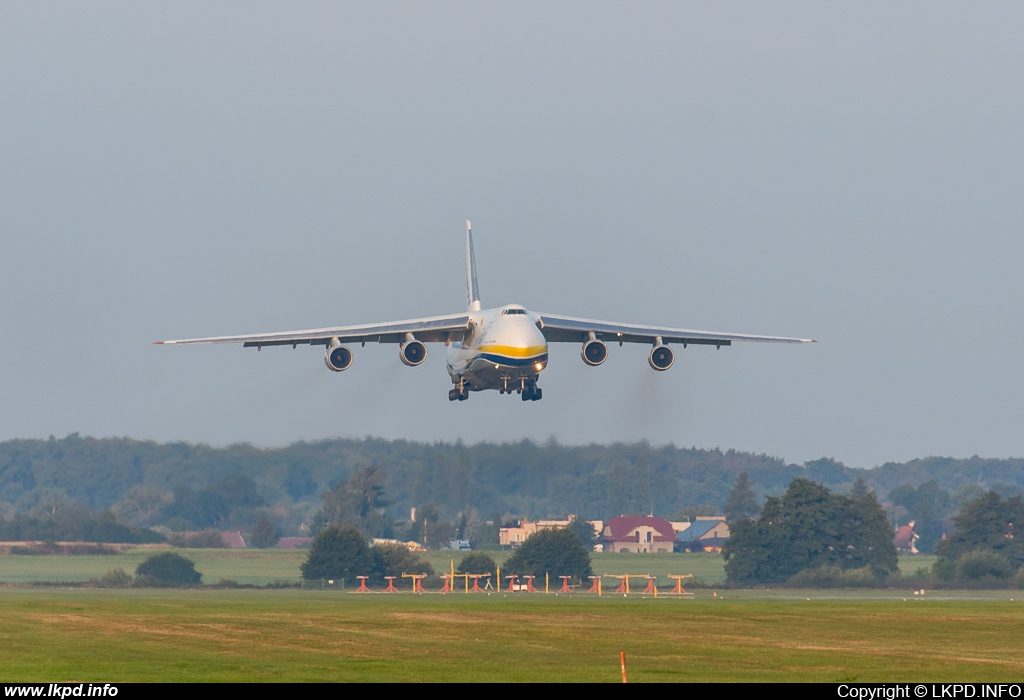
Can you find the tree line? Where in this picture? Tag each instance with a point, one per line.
(455, 488)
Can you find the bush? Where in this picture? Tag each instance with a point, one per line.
(168, 569)
(116, 578)
(979, 563)
(338, 552)
(205, 539)
(557, 552)
(829, 576)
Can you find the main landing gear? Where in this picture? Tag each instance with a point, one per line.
(530, 391)
(459, 393)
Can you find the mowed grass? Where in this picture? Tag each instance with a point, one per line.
(263, 566)
(294, 635)
(257, 566)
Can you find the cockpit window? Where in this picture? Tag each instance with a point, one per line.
(513, 311)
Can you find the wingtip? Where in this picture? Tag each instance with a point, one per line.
(158, 342)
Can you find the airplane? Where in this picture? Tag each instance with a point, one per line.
(504, 348)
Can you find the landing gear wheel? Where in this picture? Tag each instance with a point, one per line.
(453, 394)
(463, 395)
(538, 393)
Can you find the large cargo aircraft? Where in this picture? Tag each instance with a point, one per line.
(504, 348)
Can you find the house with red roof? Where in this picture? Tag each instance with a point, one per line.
(638, 533)
(906, 539)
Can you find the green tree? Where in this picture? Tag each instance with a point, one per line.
(263, 535)
(477, 563)
(168, 569)
(742, 502)
(359, 502)
(392, 559)
(557, 552)
(584, 529)
(338, 552)
(987, 536)
(809, 527)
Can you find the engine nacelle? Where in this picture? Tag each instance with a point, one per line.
(412, 353)
(661, 358)
(594, 352)
(338, 358)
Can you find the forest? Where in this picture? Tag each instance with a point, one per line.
(185, 486)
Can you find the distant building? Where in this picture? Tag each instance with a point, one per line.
(706, 533)
(518, 532)
(638, 533)
(232, 539)
(906, 539)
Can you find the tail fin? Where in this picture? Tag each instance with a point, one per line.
(474, 290)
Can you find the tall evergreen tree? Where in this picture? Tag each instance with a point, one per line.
(263, 535)
(742, 502)
(359, 502)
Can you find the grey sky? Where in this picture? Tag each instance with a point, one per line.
(849, 172)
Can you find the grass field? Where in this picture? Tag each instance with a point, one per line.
(294, 635)
(263, 566)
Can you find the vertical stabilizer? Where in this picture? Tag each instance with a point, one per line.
(474, 290)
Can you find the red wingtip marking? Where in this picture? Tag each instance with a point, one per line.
(158, 342)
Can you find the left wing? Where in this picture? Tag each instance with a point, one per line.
(566, 329)
(436, 329)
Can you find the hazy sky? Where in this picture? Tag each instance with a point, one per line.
(848, 172)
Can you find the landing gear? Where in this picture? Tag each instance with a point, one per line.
(459, 393)
(530, 390)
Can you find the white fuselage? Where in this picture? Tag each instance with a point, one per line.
(503, 349)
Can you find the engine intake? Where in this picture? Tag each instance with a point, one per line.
(413, 353)
(338, 358)
(594, 352)
(661, 358)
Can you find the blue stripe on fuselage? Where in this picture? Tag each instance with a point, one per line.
(508, 361)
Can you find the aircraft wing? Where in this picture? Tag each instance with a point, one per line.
(436, 329)
(566, 329)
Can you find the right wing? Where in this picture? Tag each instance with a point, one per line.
(567, 329)
(436, 329)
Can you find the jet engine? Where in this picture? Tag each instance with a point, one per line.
(412, 353)
(338, 358)
(661, 358)
(594, 352)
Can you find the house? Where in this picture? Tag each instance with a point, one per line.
(638, 533)
(518, 532)
(706, 533)
(906, 539)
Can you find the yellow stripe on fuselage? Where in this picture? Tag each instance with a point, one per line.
(513, 351)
